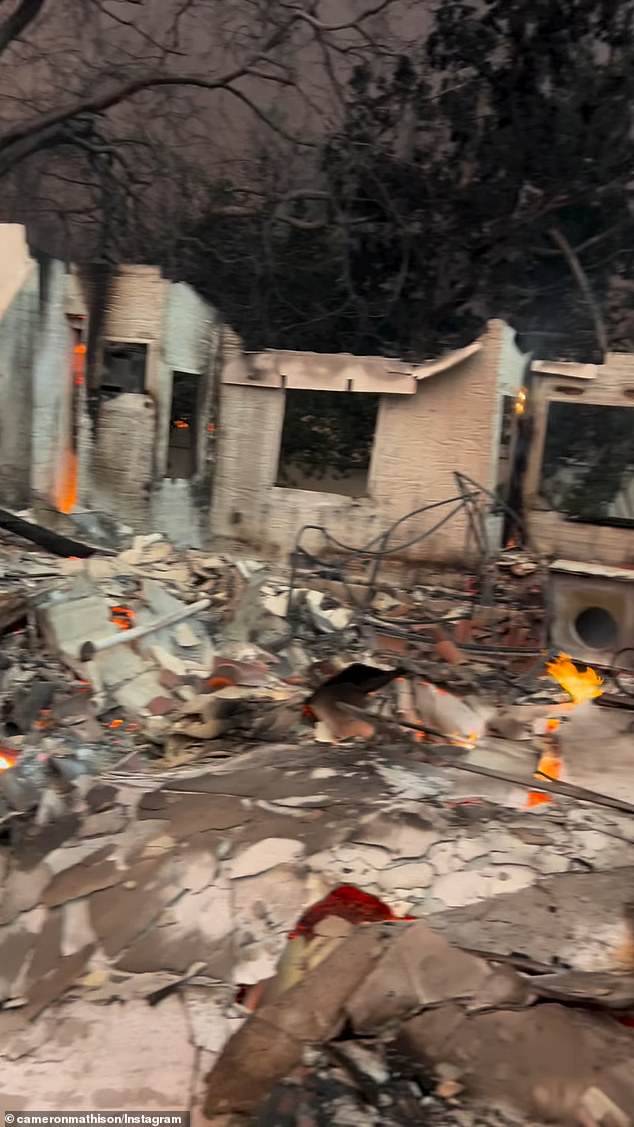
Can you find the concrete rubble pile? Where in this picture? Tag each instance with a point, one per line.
(275, 842)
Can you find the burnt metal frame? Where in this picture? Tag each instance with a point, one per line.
(474, 499)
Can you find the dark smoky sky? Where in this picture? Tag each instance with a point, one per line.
(74, 48)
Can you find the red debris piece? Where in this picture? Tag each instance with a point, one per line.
(215, 683)
(447, 650)
(349, 903)
(160, 706)
(169, 680)
(463, 630)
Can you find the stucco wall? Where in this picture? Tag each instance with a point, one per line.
(52, 386)
(181, 332)
(123, 458)
(190, 342)
(448, 424)
(18, 330)
(16, 264)
(610, 384)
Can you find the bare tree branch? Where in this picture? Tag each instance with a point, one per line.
(24, 15)
(349, 25)
(581, 279)
(40, 129)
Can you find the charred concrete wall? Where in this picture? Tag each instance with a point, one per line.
(19, 319)
(52, 385)
(180, 507)
(123, 457)
(450, 422)
(125, 437)
(122, 462)
(552, 530)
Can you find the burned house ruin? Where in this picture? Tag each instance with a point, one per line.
(123, 394)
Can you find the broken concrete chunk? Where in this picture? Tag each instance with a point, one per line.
(444, 712)
(328, 615)
(189, 815)
(265, 855)
(23, 891)
(82, 879)
(404, 836)
(418, 968)
(16, 944)
(271, 1043)
(411, 876)
(120, 913)
(57, 982)
(539, 1061)
(185, 635)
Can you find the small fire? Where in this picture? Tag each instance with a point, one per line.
(116, 723)
(44, 720)
(122, 617)
(520, 402)
(66, 494)
(7, 760)
(180, 424)
(580, 686)
(79, 352)
(551, 766)
(468, 742)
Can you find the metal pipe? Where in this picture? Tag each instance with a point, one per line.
(89, 649)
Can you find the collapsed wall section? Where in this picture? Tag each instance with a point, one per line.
(447, 421)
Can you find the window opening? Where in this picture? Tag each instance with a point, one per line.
(327, 440)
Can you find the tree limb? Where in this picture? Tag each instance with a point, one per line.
(28, 137)
(18, 21)
(581, 279)
(350, 24)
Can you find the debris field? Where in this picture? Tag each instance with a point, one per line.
(295, 846)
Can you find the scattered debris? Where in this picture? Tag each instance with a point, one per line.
(292, 800)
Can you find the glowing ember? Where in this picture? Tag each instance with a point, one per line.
(469, 741)
(180, 424)
(7, 760)
(79, 352)
(520, 402)
(551, 766)
(66, 493)
(122, 617)
(216, 683)
(580, 686)
(116, 723)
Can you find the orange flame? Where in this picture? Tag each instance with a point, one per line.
(122, 617)
(66, 493)
(79, 364)
(579, 686)
(116, 723)
(180, 424)
(7, 760)
(549, 765)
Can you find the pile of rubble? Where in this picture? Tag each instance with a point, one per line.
(196, 749)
